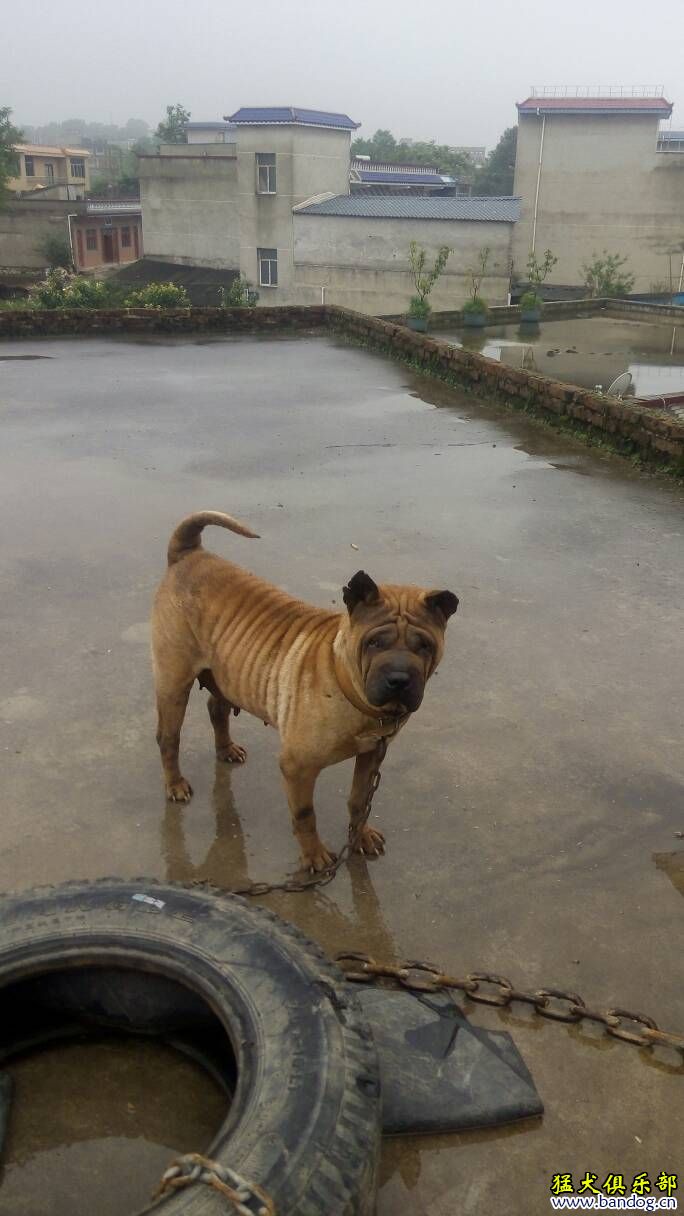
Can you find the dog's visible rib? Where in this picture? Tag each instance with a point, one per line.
(188, 534)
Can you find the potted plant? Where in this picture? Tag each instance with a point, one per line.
(531, 302)
(419, 306)
(418, 313)
(475, 311)
(530, 308)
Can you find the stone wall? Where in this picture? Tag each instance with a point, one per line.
(655, 435)
(32, 323)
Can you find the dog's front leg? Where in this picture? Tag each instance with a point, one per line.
(371, 840)
(300, 779)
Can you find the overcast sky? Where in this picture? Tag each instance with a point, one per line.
(428, 69)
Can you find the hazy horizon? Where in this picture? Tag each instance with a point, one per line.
(418, 70)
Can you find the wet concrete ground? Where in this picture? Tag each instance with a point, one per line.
(588, 351)
(532, 806)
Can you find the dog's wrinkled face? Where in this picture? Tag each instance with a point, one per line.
(396, 635)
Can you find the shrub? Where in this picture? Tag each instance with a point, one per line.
(238, 295)
(86, 293)
(419, 307)
(50, 294)
(475, 304)
(530, 300)
(63, 290)
(158, 295)
(57, 251)
(605, 275)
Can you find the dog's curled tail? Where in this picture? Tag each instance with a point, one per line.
(188, 535)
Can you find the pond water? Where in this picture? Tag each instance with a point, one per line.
(587, 351)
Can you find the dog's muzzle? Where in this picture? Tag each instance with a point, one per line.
(396, 685)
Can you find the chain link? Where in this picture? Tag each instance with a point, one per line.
(487, 989)
(245, 1198)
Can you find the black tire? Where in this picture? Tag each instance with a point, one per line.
(304, 1123)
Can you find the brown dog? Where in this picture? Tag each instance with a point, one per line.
(332, 684)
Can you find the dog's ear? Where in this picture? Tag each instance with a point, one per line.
(360, 590)
(441, 603)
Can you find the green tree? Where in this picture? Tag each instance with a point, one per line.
(9, 161)
(605, 275)
(171, 130)
(497, 173)
(384, 147)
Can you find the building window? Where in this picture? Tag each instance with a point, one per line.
(49, 170)
(28, 166)
(268, 267)
(125, 238)
(91, 238)
(78, 167)
(266, 172)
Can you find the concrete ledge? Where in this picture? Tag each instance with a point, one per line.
(502, 314)
(555, 310)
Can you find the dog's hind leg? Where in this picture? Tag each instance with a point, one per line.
(219, 712)
(171, 705)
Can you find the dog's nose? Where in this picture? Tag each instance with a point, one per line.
(397, 679)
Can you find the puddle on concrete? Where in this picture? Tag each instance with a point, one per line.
(587, 351)
(19, 358)
(94, 1125)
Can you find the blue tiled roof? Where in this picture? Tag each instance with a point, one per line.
(289, 115)
(402, 179)
(407, 207)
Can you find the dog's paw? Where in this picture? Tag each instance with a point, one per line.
(371, 842)
(232, 754)
(179, 791)
(319, 859)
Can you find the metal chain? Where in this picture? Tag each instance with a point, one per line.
(555, 1003)
(296, 885)
(246, 1198)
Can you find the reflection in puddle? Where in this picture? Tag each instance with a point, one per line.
(588, 351)
(672, 864)
(94, 1125)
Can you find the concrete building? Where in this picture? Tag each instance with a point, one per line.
(268, 193)
(595, 173)
(353, 250)
(63, 173)
(110, 233)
